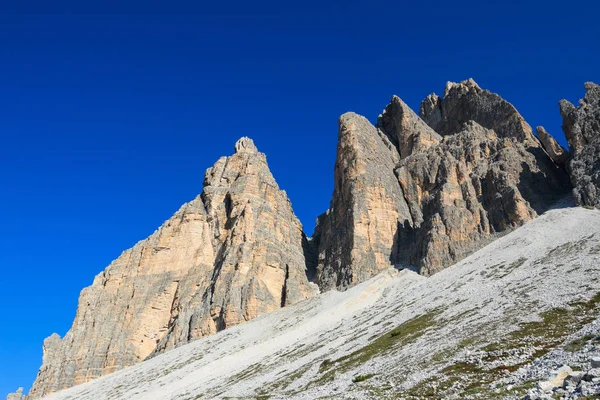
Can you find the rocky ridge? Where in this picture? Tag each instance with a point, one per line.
(233, 253)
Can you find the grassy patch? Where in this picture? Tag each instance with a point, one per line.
(465, 378)
(403, 334)
(362, 378)
(579, 343)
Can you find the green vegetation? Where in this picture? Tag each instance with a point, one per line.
(403, 334)
(362, 378)
(579, 343)
(554, 326)
(501, 270)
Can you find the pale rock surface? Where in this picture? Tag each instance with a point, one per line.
(18, 395)
(552, 147)
(357, 236)
(233, 253)
(581, 126)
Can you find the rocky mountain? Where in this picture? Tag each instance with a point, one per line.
(581, 125)
(516, 318)
(415, 192)
(233, 253)
(427, 191)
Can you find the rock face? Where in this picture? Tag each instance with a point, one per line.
(554, 150)
(582, 128)
(466, 101)
(413, 191)
(356, 236)
(233, 253)
(426, 192)
(468, 188)
(18, 395)
(405, 129)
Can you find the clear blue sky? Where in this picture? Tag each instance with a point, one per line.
(109, 114)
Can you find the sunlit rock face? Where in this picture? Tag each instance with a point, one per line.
(233, 253)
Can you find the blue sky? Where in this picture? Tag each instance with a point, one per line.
(109, 114)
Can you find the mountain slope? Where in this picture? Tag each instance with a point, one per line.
(508, 304)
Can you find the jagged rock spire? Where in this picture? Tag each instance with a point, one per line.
(233, 253)
(466, 101)
(581, 125)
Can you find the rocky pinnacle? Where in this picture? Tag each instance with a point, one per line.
(581, 125)
(233, 253)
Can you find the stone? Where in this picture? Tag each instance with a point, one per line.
(415, 194)
(235, 252)
(405, 129)
(554, 150)
(573, 379)
(18, 395)
(591, 374)
(356, 237)
(595, 362)
(556, 379)
(581, 126)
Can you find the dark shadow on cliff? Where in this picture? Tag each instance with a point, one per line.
(543, 189)
(404, 252)
(310, 248)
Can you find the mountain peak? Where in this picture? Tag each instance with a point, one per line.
(245, 145)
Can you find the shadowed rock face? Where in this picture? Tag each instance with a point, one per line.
(405, 129)
(466, 101)
(581, 125)
(233, 253)
(467, 188)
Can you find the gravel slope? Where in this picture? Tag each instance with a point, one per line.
(472, 330)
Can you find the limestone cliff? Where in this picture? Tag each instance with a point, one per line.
(426, 192)
(233, 253)
(556, 152)
(356, 235)
(468, 188)
(581, 125)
